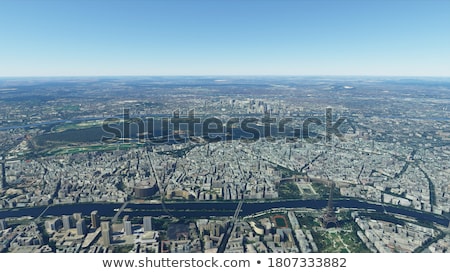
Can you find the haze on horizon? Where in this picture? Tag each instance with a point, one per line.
(195, 37)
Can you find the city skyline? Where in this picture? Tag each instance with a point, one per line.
(275, 165)
(169, 38)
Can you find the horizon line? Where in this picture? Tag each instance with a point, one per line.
(224, 75)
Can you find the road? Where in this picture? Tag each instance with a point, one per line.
(232, 223)
(124, 205)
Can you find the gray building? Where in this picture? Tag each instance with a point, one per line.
(67, 222)
(95, 219)
(53, 224)
(128, 228)
(81, 227)
(77, 216)
(147, 222)
(106, 233)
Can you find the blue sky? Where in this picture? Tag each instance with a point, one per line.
(229, 37)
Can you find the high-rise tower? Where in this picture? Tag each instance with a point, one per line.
(67, 222)
(147, 222)
(127, 226)
(106, 233)
(95, 219)
(329, 218)
(81, 227)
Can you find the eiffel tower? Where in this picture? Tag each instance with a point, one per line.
(329, 218)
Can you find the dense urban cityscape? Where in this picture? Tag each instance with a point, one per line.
(205, 164)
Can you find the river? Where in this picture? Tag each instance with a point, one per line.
(221, 208)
